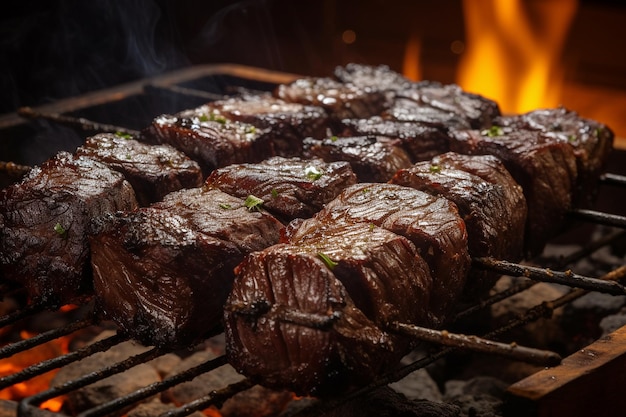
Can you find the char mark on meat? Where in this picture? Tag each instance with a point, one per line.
(431, 223)
(210, 139)
(163, 272)
(489, 200)
(341, 101)
(420, 141)
(152, 170)
(287, 123)
(289, 187)
(373, 159)
(544, 167)
(356, 278)
(43, 241)
(592, 142)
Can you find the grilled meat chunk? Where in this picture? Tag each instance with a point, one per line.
(43, 241)
(288, 123)
(544, 167)
(373, 159)
(163, 272)
(372, 77)
(592, 142)
(152, 170)
(210, 139)
(288, 187)
(420, 140)
(489, 200)
(444, 105)
(431, 223)
(335, 340)
(340, 100)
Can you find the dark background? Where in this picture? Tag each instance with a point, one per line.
(54, 49)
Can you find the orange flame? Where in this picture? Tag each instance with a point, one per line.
(39, 383)
(411, 67)
(513, 52)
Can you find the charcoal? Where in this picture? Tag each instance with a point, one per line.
(289, 188)
(152, 170)
(45, 217)
(373, 159)
(492, 206)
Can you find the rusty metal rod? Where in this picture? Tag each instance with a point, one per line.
(547, 275)
(598, 217)
(153, 88)
(59, 361)
(120, 403)
(215, 398)
(76, 122)
(478, 344)
(21, 314)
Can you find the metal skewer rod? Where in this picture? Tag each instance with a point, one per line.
(153, 88)
(598, 217)
(76, 122)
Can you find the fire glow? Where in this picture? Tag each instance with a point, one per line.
(513, 53)
(22, 360)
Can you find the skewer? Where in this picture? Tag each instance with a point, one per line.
(76, 122)
(613, 179)
(547, 275)
(599, 217)
(445, 338)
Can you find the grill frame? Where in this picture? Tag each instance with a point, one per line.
(181, 84)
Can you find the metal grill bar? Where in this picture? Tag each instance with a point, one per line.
(598, 217)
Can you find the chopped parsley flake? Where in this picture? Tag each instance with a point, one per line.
(329, 262)
(435, 169)
(60, 230)
(123, 135)
(274, 192)
(334, 138)
(225, 206)
(253, 203)
(312, 173)
(492, 131)
(571, 138)
(203, 118)
(251, 129)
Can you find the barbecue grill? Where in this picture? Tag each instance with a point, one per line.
(29, 136)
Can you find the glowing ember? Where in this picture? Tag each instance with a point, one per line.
(513, 51)
(39, 383)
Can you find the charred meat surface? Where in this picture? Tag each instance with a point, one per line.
(152, 170)
(287, 187)
(288, 123)
(209, 139)
(492, 205)
(436, 103)
(340, 100)
(43, 241)
(431, 223)
(373, 77)
(327, 346)
(592, 141)
(162, 282)
(421, 141)
(373, 159)
(163, 272)
(545, 168)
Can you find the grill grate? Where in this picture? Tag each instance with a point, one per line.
(191, 87)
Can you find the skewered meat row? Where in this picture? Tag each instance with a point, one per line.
(163, 272)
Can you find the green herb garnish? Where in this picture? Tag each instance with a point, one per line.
(251, 129)
(217, 118)
(312, 173)
(435, 169)
(253, 203)
(334, 138)
(225, 206)
(329, 262)
(123, 135)
(203, 118)
(60, 230)
(571, 138)
(372, 226)
(492, 131)
(274, 192)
